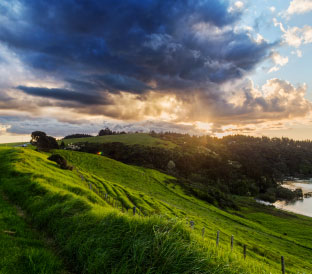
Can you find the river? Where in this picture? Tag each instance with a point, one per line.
(303, 206)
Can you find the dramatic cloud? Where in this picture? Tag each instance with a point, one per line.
(65, 95)
(129, 45)
(299, 6)
(184, 63)
(276, 100)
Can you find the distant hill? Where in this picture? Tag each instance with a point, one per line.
(128, 139)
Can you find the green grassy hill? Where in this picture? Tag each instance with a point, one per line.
(95, 237)
(21, 249)
(128, 139)
(12, 144)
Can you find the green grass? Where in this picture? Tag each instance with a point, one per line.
(291, 225)
(96, 238)
(11, 144)
(157, 193)
(128, 139)
(21, 249)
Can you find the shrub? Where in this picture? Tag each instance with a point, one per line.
(61, 161)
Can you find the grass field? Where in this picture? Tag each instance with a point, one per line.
(128, 139)
(21, 249)
(94, 237)
(11, 144)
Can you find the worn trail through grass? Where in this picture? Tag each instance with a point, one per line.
(22, 249)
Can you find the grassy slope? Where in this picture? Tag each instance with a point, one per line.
(291, 225)
(266, 238)
(11, 144)
(93, 237)
(21, 250)
(128, 139)
(90, 221)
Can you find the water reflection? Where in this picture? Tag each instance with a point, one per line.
(302, 206)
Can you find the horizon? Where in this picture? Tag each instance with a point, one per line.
(200, 67)
(21, 139)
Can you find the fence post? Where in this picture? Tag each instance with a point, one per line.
(232, 242)
(134, 209)
(106, 196)
(283, 264)
(245, 251)
(192, 224)
(218, 237)
(203, 232)
(90, 186)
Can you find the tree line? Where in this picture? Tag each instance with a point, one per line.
(214, 169)
(211, 167)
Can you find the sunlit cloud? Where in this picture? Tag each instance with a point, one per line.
(299, 7)
(237, 6)
(295, 36)
(278, 60)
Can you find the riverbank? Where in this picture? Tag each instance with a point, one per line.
(302, 205)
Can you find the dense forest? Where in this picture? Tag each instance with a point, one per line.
(78, 135)
(214, 169)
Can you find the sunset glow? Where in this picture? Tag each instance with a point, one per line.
(172, 66)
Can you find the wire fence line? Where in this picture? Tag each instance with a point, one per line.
(133, 211)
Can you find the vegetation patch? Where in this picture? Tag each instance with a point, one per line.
(93, 236)
(129, 139)
(22, 251)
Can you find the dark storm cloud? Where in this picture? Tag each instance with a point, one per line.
(110, 82)
(65, 95)
(112, 46)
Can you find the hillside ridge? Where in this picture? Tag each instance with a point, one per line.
(64, 198)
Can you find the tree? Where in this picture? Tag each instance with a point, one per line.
(61, 161)
(171, 165)
(105, 131)
(62, 146)
(77, 135)
(36, 136)
(42, 141)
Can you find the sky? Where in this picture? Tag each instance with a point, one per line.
(213, 67)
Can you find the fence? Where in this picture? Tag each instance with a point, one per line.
(114, 202)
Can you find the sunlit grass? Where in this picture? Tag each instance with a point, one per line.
(128, 139)
(21, 249)
(93, 235)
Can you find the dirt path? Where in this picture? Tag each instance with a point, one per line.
(47, 241)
